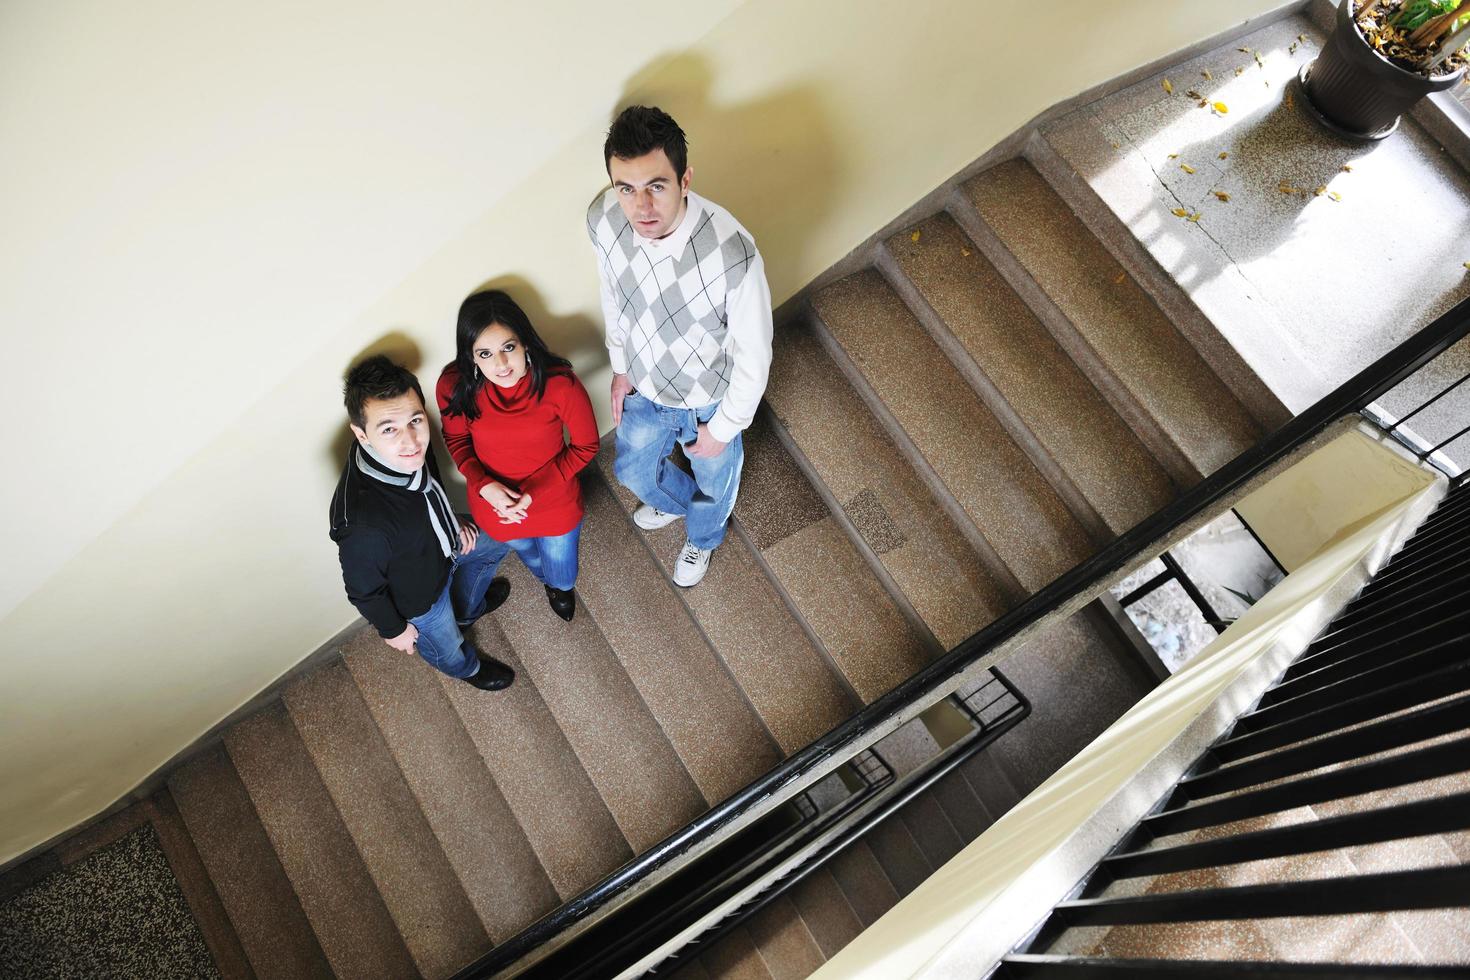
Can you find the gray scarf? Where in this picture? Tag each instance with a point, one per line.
(441, 515)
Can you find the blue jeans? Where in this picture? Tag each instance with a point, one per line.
(552, 560)
(646, 437)
(462, 600)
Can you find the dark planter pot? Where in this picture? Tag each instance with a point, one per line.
(1358, 93)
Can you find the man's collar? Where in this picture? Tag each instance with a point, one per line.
(675, 241)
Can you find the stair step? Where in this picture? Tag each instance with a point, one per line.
(386, 822)
(627, 756)
(993, 786)
(1005, 497)
(816, 564)
(794, 687)
(488, 850)
(826, 911)
(701, 709)
(924, 551)
(902, 859)
(337, 892)
(784, 941)
(931, 828)
(861, 877)
(247, 874)
(554, 801)
(908, 747)
(993, 329)
(735, 957)
(1130, 336)
(966, 813)
(1080, 680)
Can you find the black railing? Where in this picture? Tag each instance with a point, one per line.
(1427, 453)
(939, 678)
(1340, 742)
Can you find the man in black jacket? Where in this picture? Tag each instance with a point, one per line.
(411, 567)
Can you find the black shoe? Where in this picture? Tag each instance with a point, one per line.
(492, 675)
(563, 602)
(494, 597)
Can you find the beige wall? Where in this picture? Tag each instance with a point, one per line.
(1310, 504)
(207, 216)
(985, 899)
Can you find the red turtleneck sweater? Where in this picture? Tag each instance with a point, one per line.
(517, 441)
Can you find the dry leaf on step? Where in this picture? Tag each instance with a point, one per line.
(1224, 154)
(1334, 195)
(1220, 107)
(1123, 275)
(1168, 87)
(1208, 76)
(1347, 168)
(915, 236)
(1222, 195)
(1180, 213)
(1319, 190)
(1186, 168)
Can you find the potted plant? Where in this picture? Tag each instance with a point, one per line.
(1382, 59)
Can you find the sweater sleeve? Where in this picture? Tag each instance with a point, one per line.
(748, 322)
(364, 554)
(575, 410)
(615, 332)
(457, 437)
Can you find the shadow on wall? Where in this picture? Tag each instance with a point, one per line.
(401, 349)
(769, 161)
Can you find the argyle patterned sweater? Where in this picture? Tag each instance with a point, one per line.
(688, 316)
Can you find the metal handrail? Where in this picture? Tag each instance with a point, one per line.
(1346, 400)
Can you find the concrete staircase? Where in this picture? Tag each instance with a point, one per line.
(998, 386)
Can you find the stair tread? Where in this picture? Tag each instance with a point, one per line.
(1046, 389)
(861, 877)
(337, 892)
(701, 709)
(385, 821)
(735, 957)
(482, 841)
(1005, 496)
(826, 911)
(621, 746)
(902, 859)
(258, 897)
(792, 685)
(827, 579)
(991, 783)
(783, 940)
(967, 814)
(555, 803)
(1118, 320)
(927, 556)
(931, 828)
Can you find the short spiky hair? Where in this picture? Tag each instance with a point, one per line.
(377, 377)
(641, 129)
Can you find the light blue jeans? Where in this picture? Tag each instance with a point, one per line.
(646, 437)
(553, 560)
(462, 600)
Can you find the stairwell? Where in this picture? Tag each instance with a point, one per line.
(1001, 387)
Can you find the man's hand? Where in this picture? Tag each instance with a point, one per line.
(467, 535)
(517, 513)
(404, 641)
(621, 387)
(706, 446)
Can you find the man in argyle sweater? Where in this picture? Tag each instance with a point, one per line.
(688, 317)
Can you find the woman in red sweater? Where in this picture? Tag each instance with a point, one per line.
(503, 403)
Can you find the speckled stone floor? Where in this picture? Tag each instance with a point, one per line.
(118, 913)
(1310, 254)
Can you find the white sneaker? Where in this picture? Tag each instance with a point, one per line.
(692, 564)
(650, 518)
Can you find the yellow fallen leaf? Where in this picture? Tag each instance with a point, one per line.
(1220, 107)
(1186, 168)
(1123, 275)
(965, 252)
(1246, 50)
(1195, 217)
(1115, 144)
(1173, 156)
(1291, 49)
(1168, 87)
(1179, 213)
(1208, 76)
(1222, 195)
(1257, 55)
(1302, 38)
(1290, 102)
(1285, 188)
(1240, 71)
(1347, 168)
(1334, 195)
(914, 237)
(1319, 190)
(1224, 154)
(1467, 265)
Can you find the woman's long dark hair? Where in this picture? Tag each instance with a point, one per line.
(476, 313)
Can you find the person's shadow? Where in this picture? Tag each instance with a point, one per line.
(769, 161)
(401, 349)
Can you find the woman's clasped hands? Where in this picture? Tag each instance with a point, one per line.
(508, 505)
